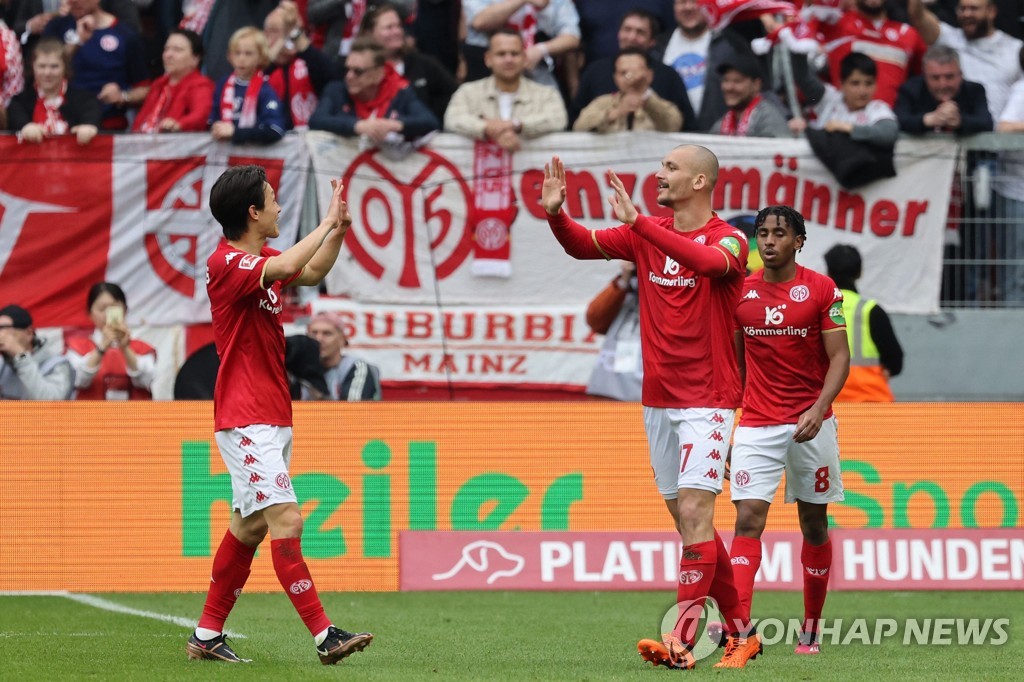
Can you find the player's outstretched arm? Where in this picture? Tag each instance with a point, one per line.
(621, 204)
(552, 194)
(838, 350)
(326, 256)
(287, 263)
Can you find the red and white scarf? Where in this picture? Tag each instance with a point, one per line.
(156, 114)
(293, 86)
(247, 116)
(47, 111)
(730, 125)
(197, 13)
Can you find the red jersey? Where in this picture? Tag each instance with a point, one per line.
(686, 319)
(252, 386)
(896, 47)
(786, 362)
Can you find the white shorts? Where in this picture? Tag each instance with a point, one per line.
(688, 447)
(257, 457)
(760, 453)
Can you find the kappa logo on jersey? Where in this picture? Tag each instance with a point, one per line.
(249, 461)
(732, 244)
(816, 571)
(245, 442)
(717, 435)
(774, 315)
(799, 293)
(230, 257)
(260, 497)
(690, 577)
(752, 294)
(717, 419)
(715, 455)
(837, 294)
(712, 474)
(254, 478)
(249, 261)
(671, 267)
(836, 314)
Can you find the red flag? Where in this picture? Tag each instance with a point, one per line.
(721, 13)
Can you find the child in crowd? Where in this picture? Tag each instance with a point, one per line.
(245, 107)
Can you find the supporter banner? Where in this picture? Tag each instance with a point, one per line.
(132, 209)
(142, 496)
(543, 347)
(991, 559)
(411, 240)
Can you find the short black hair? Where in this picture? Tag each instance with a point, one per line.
(627, 51)
(857, 61)
(100, 288)
(505, 31)
(194, 41)
(844, 263)
(649, 17)
(234, 192)
(790, 214)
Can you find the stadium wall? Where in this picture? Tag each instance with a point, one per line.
(134, 496)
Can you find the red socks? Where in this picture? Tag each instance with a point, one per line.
(298, 584)
(231, 567)
(696, 574)
(817, 562)
(723, 590)
(746, 559)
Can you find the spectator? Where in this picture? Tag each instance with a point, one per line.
(600, 25)
(348, 377)
(180, 100)
(12, 75)
(875, 353)
(748, 113)
(896, 47)
(531, 19)
(245, 107)
(431, 82)
(333, 24)
(1008, 184)
(109, 364)
(298, 71)
(634, 106)
(31, 17)
(217, 21)
(374, 103)
(615, 312)
(636, 30)
(987, 55)
(52, 107)
(506, 106)
(696, 55)
(28, 370)
(852, 109)
(109, 60)
(940, 100)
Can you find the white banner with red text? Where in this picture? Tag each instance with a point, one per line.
(436, 227)
(130, 209)
(918, 559)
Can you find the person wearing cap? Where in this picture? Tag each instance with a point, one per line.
(749, 114)
(28, 369)
(348, 377)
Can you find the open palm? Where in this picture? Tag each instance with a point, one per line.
(553, 191)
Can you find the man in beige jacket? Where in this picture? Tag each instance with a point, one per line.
(635, 106)
(506, 107)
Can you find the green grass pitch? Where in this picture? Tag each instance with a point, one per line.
(480, 636)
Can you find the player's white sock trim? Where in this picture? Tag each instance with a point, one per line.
(321, 636)
(206, 633)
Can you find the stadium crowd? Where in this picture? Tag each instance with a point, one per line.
(852, 74)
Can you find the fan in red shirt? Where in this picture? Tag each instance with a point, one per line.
(181, 99)
(791, 341)
(690, 268)
(252, 406)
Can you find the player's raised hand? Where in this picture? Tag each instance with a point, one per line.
(622, 205)
(337, 212)
(553, 191)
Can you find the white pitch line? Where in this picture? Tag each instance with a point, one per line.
(107, 605)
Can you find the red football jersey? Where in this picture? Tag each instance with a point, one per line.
(686, 320)
(252, 387)
(786, 362)
(897, 49)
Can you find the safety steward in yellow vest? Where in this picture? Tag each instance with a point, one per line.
(875, 353)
